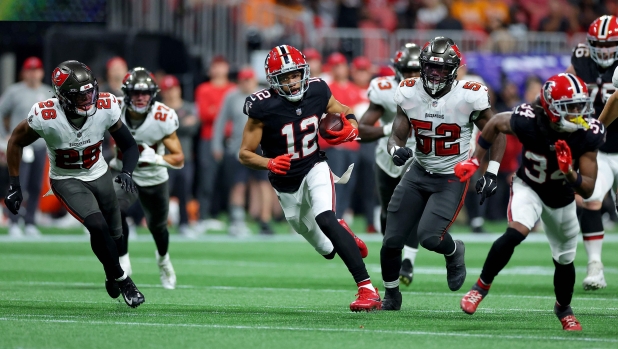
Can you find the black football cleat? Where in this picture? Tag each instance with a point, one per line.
(392, 299)
(456, 267)
(132, 296)
(406, 273)
(112, 288)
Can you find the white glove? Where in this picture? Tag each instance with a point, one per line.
(149, 156)
(615, 78)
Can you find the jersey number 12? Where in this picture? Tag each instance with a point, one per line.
(309, 145)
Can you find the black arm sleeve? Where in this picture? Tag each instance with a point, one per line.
(130, 153)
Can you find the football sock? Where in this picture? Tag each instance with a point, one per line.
(103, 245)
(162, 240)
(409, 253)
(122, 278)
(564, 282)
(344, 244)
(442, 245)
(237, 213)
(562, 310)
(500, 254)
(481, 287)
(390, 260)
(123, 243)
(330, 255)
(366, 284)
(592, 230)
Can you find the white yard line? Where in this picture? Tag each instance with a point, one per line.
(316, 329)
(291, 289)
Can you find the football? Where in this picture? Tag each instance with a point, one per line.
(330, 121)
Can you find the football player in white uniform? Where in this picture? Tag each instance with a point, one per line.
(382, 108)
(153, 125)
(79, 175)
(559, 159)
(442, 112)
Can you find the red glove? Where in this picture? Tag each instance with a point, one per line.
(281, 164)
(465, 169)
(347, 134)
(563, 154)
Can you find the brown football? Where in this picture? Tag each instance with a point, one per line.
(332, 122)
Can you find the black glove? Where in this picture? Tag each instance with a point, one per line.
(487, 186)
(13, 198)
(402, 155)
(126, 182)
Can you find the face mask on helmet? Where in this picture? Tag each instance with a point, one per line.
(436, 76)
(292, 85)
(570, 115)
(140, 100)
(82, 103)
(603, 53)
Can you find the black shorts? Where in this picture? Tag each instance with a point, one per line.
(83, 199)
(242, 174)
(425, 203)
(154, 199)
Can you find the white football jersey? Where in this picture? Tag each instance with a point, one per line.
(382, 92)
(74, 153)
(161, 121)
(443, 127)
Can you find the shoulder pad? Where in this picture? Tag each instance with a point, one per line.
(476, 94)
(379, 87)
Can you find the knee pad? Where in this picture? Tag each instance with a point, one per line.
(393, 241)
(591, 221)
(431, 243)
(565, 258)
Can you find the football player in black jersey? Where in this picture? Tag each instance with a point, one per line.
(594, 63)
(284, 120)
(559, 159)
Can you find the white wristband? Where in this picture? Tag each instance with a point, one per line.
(394, 149)
(387, 130)
(493, 167)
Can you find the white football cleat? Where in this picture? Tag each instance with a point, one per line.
(125, 264)
(15, 231)
(166, 271)
(595, 278)
(32, 231)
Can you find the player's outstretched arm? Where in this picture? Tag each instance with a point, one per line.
(23, 135)
(251, 138)
(366, 129)
(610, 110)
(498, 144)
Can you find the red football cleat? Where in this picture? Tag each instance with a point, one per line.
(366, 300)
(364, 251)
(471, 301)
(570, 323)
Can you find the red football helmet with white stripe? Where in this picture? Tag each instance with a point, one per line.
(284, 59)
(603, 40)
(566, 102)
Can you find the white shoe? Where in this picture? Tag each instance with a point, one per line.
(15, 231)
(595, 279)
(186, 231)
(239, 230)
(166, 271)
(210, 224)
(125, 264)
(32, 231)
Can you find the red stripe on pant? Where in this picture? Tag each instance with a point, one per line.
(66, 206)
(509, 214)
(461, 203)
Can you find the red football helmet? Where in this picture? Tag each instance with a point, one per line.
(284, 59)
(603, 40)
(566, 102)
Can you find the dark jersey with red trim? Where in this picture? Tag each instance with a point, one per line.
(539, 167)
(290, 128)
(600, 87)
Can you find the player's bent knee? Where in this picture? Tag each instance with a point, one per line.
(430, 243)
(565, 257)
(394, 241)
(327, 221)
(95, 223)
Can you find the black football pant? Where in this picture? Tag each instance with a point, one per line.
(386, 188)
(94, 204)
(423, 203)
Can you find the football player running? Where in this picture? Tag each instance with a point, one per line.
(442, 111)
(594, 62)
(284, 120)
(382, 107)
(559, 159)
(153, 125)
(78, 173)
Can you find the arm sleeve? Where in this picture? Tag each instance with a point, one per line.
(219, 127)
(125, 141)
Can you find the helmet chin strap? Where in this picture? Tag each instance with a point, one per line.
(141, 110)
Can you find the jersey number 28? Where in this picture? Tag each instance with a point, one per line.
(67, 158)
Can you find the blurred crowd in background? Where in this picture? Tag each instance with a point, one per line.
(213, 191)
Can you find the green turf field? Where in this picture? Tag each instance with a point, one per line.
(278, 293)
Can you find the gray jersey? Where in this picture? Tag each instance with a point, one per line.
(382, 92)
(231, 111)
(443, 127)
(16, 102)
